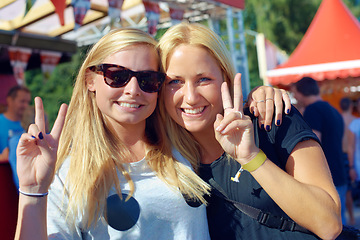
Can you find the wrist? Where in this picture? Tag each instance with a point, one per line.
(31, 194)
(256, 162)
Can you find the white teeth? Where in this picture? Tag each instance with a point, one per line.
(129, 105)
(193, 110)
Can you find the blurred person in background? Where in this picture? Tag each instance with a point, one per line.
(346, 106)
(328, 124)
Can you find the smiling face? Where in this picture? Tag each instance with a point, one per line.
(193, 91)
(127, 105)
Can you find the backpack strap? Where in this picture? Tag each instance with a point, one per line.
(267, 219)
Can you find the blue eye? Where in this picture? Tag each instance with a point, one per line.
(204, 79)
(174, 81)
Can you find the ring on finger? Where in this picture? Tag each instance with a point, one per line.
(260, 101)
(241, 114)
(269, 99)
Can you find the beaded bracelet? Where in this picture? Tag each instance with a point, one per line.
(33, 194)
(256, 162)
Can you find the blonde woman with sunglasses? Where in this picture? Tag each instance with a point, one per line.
(115, 174)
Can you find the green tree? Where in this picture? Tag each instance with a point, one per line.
(58, 88)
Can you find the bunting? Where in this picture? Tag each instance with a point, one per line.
(19, 58)
(115, 10)
(80, 9)
(49, 60)
(59, 9)
(152, 12)
(176, 15)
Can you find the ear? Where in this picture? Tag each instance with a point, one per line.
(90, 80)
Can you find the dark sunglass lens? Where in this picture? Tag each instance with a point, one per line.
(149, 81)
(117, 77)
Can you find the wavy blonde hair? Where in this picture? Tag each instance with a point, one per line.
(97, 154)
(196, 35)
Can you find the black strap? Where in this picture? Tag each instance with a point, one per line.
(267, 219)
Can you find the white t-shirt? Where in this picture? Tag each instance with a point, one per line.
(155, 211)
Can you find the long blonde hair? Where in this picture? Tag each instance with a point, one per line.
(97, 154)
(197, 35)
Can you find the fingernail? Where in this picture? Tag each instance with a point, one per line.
(32, 136)
(287, 111)
(267, 127)
(262, 126)
(278, 123)
(41, 135)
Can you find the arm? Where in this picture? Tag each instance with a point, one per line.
(262, 100)
(318, 134)
(351, 152)
(304, 191)
(4, 156)
(36, 158)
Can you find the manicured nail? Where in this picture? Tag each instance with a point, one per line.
(267, 127)
(32, 136)
(262, 126)
(41, 135)
(288, 111)
(278, 123)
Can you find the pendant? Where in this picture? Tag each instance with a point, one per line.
(237, 175)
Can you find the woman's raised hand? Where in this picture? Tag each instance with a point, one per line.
(234, 131)
(37, 151)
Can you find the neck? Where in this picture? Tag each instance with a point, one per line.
(133, 138)
(210, 148)
(311, 99)
(12, 116)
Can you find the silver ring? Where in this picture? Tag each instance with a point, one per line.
(269, 99)
(260, 101)
(241, 115)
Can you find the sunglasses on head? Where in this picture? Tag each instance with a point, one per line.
(117, 76)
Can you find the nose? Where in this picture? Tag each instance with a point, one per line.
(190, 93)
(132, 87)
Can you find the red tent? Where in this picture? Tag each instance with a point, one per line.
(330, 48)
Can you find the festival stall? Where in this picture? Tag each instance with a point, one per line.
(329, 52)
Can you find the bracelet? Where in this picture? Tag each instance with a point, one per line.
(33, 194)
(256, 162)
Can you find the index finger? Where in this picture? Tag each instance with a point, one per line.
(225, 96)
(238, 96)
(39, 114)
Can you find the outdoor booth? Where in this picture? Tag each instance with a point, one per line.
(329, 52)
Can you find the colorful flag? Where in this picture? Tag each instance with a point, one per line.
(19, 58)
(49, 60)
(80, 9)
(152, 12)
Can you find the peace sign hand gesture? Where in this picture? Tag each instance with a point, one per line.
(37, 152)
(234, 131)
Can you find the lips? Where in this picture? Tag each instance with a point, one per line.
(193, 110)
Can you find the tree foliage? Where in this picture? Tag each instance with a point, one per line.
(58, 88)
